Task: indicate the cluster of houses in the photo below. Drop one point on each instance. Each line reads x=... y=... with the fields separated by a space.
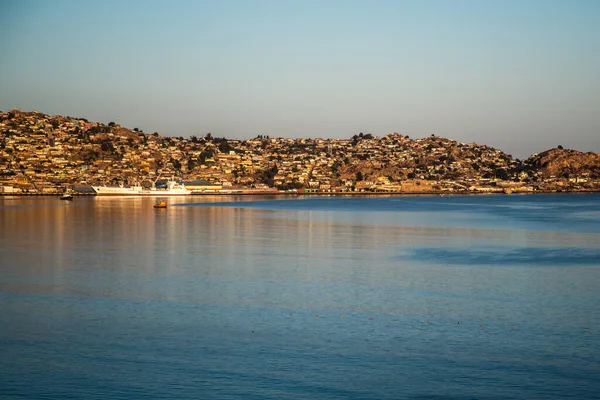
x=46 y=154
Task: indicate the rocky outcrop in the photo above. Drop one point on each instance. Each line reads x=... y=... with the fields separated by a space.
x=566 y=163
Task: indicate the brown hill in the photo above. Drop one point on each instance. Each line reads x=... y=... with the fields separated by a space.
x=566 y=163
x=62 y=151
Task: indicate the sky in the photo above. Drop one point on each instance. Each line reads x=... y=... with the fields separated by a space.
x=522 y=76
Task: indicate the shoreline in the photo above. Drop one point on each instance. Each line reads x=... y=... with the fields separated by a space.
x=316 y=194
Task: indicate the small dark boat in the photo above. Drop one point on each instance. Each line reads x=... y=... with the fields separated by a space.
x=66 y=196
x=162 y=204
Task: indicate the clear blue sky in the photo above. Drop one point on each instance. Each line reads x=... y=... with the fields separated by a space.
x=523 y=76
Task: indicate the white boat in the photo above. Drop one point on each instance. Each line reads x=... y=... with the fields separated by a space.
x=173 y=188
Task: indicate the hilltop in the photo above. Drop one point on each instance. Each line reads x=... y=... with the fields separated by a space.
x=42 y=153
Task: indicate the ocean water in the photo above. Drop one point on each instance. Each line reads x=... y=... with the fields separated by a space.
x=424 y=297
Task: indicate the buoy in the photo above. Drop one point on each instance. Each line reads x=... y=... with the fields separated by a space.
x=342 y=317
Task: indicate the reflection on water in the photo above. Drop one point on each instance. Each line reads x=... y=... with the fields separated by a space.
x=487 y=296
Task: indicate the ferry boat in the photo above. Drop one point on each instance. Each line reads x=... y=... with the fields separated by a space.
x=172 y=188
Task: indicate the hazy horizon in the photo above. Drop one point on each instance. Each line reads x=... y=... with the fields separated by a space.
x=519 y=76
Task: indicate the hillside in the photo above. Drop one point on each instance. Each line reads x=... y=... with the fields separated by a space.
x=42 y=153
x=566 y=163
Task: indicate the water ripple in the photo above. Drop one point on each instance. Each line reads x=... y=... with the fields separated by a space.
x=537 y=256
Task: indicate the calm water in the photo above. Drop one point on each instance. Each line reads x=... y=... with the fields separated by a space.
x=491 y=297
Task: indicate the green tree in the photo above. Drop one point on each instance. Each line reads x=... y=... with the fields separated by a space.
x=107 y=146
x=224 y=146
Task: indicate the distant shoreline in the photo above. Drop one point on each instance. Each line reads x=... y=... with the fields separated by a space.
x=315 y=194
x=47 y=155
